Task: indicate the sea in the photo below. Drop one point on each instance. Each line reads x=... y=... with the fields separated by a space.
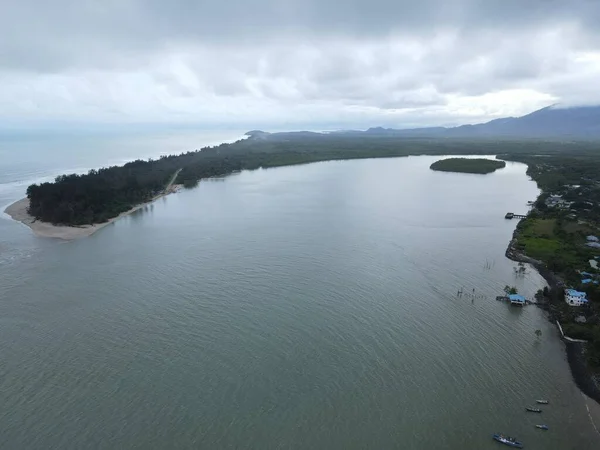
x=335 y=305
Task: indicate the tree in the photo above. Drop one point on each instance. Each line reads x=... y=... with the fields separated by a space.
x=510 y=290
x=538 y=333
x=190 y=183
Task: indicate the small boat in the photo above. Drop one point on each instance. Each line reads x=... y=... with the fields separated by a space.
x=506 y=440
x=542 y=402
x=542 y=427
x=537 y=410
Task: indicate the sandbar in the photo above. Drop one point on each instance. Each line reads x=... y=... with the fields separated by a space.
x=18 y=211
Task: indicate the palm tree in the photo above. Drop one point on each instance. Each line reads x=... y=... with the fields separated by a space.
x=510 y=290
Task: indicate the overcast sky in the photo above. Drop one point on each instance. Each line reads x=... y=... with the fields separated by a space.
x=294 y=63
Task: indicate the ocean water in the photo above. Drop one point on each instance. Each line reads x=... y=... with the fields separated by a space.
x=312 y=306
x=35 y=158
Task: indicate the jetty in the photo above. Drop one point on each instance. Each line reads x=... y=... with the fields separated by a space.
x=516 y=300
x=510 y=215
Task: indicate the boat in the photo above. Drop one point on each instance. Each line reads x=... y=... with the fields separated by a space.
x=506 y=440
x=542 y=402
x=542 y=427
x=537 y=410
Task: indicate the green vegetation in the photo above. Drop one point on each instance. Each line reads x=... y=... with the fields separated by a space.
x=555 y=233
x=468 y=165
x=538 y=240
x=102 y=194
x=510 y=290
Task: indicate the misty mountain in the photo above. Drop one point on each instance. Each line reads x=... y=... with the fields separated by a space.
x=554 y=123
x=547 y=123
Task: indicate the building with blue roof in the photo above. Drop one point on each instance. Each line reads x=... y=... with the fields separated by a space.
x=575 y=298
x=516 y=299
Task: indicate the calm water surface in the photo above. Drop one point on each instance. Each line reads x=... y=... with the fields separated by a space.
x=301 y=307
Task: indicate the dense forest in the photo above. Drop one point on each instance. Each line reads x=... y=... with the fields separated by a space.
x=104 y=193
x=468 y=165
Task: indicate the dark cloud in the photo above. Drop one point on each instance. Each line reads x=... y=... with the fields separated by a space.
x=49 y=35
x=296 y=58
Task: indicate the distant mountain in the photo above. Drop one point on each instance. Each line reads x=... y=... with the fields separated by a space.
x=551 y=122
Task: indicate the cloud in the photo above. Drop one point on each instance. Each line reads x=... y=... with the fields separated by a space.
x=292 y=62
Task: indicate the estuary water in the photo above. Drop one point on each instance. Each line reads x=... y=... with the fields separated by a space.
x=312 y=306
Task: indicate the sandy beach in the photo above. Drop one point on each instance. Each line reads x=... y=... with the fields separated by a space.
x=18 y=211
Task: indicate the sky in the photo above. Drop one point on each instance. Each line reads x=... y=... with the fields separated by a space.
x=291 y=64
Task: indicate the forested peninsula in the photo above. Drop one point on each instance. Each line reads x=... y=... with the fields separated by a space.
x=103 y=194
x=468 y=165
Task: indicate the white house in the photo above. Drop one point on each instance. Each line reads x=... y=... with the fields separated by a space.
x=575 y=298
x=516 y=299
x=554 y=200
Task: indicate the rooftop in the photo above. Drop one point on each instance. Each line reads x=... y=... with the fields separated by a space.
x=575 y=293
x=516 y=298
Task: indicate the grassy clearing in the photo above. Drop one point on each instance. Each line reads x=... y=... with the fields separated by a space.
x=550 y=240
x=542 y=228
x=540 y=248
x=537 y=238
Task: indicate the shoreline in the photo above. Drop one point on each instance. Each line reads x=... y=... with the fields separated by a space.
x=575 y=351
x=18 y=212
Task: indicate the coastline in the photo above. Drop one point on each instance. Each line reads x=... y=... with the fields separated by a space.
x=18 y=212
x=575 y=351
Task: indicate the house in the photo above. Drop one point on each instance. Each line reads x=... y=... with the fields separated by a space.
x=592 y=238
x=516 y=299
x=553 y=200
x=593 y=244
x=575 y=298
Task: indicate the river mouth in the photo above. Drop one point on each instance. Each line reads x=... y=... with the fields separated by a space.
x=302 y=307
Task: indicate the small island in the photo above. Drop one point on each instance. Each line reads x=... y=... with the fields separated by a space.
x=468 y=165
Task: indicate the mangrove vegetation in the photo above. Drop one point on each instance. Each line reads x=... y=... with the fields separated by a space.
x=468 y=165
x=99 y=195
